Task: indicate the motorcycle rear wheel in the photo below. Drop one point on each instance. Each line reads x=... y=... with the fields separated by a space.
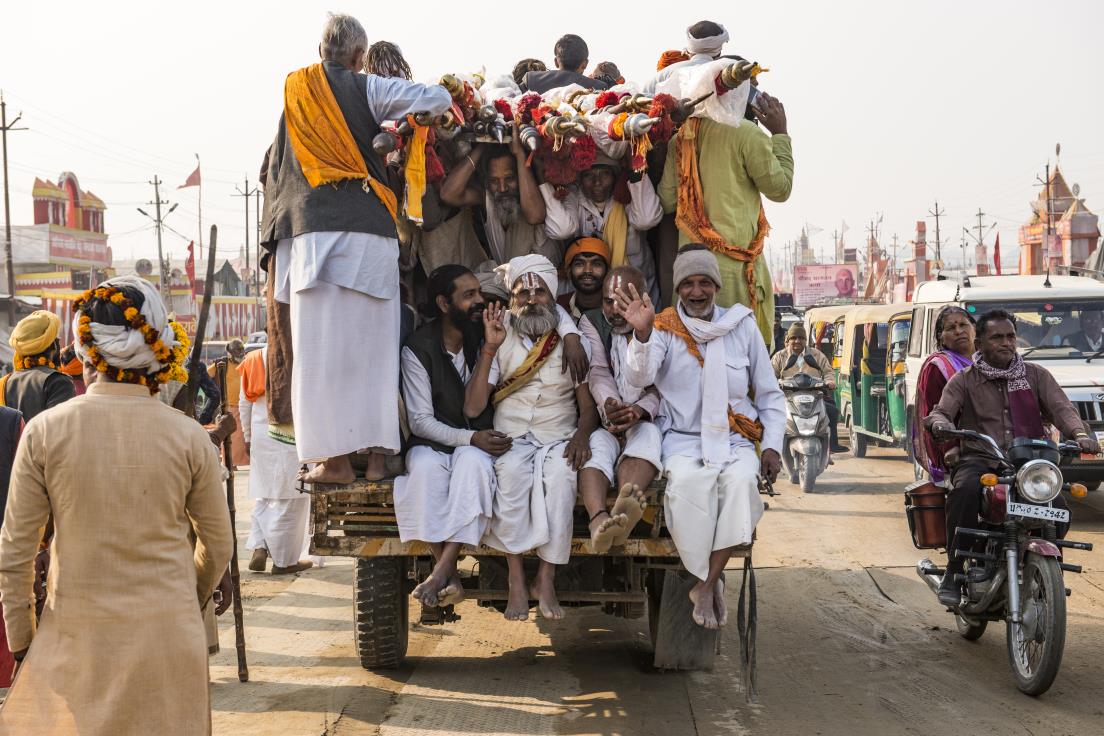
x=807 y=472
x=1035 y=646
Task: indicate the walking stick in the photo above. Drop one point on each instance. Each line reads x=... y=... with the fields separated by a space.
x=235 y=576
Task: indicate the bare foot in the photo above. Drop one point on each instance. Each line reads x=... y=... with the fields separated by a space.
x=719 y=606
x=376 y=468
x=517 y=604
x=335 y=471
x=545 y=593
x=452 y=593
x=603 y=530
x=703 y=606
x=630 y=502
x=428 y=592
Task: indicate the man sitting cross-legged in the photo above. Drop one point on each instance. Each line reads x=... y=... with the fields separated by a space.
x=446 y=496
x=720 y=398
x=554 y=426
x=627 y=411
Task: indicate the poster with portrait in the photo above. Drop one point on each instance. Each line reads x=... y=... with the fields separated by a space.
x=823 y=282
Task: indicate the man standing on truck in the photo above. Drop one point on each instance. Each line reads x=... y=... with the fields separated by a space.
x=554 y=426
x=721 y=400
x=1001 y=396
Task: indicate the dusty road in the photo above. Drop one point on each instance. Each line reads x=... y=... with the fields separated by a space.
x=850 y=642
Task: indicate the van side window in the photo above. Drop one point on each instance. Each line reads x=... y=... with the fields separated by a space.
x=916 y=336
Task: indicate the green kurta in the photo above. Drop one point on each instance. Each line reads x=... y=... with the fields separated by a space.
x=737 y=165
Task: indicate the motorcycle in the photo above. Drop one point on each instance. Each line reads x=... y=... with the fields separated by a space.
x=1018 y=578
x=805 y=450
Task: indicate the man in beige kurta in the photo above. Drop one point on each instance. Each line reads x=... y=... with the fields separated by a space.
x=120 y=648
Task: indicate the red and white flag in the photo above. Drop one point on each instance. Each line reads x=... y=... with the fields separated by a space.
x=996 y=255
x=193 y=179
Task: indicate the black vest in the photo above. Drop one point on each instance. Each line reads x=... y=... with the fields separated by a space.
x=292 y=207
x=541 y=82
x=445 y=384
x=602 y=325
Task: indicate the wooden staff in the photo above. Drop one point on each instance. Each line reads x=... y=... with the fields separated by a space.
x=235 y=575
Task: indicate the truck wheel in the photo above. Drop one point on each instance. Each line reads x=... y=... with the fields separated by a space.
x=858 y=441
x=380 y=611
x=654 y=589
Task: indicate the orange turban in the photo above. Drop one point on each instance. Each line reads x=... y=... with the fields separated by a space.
x=667 y=58
x=597 y=246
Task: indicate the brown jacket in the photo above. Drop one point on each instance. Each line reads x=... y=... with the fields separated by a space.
x=970 y=401
x=826 y=372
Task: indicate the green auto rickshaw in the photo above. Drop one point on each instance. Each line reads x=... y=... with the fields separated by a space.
x=869 y=373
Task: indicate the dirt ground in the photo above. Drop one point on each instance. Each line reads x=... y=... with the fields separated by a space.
x=850 y=642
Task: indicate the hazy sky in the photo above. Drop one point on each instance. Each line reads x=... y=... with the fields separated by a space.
x=890 y=104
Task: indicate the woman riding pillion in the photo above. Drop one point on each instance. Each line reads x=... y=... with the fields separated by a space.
x=954 y=333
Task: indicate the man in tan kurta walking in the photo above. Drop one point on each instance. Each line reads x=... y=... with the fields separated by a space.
x=120 y=648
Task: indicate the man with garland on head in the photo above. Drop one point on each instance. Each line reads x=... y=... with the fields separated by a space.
x=554 y=430
x=721 y=402
x=331 y=221
x=36 y=384
x=127 y=479
x=620 y=216
x=586 y=262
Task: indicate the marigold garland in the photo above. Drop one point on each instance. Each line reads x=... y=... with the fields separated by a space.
x=22 y=363
x=172 y=359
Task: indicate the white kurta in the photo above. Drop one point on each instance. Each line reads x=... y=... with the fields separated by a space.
x=710 y=508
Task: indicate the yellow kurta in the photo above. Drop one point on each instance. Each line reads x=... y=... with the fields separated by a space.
x=121 y=648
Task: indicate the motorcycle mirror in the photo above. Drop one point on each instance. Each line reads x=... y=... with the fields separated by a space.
x=810 y=361
x=791 y=361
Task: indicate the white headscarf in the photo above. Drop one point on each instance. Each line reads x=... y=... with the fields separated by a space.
x=533 y=263
x=120 y=345
x=711 y=45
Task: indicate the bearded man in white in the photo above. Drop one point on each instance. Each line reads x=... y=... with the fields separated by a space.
x=554 y=427
x=720 y=399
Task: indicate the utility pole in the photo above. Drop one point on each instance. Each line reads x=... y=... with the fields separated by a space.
x=894 y=266
x=937 y=214
x=159 y=223
x=979 y=239
x=4 y=128
x=245 y=194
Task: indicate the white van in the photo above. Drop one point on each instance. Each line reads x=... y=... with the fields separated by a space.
x=1048 y=312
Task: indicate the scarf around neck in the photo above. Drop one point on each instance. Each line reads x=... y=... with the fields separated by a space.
x=1027 y=421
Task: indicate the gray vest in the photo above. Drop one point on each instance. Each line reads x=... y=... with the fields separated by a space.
x=292 y=207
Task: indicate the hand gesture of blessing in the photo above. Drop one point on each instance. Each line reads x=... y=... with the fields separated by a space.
x=637 y=309
x=494 y=332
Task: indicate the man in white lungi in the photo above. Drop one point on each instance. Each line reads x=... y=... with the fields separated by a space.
x=446 y=497
x=554 y=428
x=627 y=412
x=330 y=220
x=280 y=511
x=720 y=399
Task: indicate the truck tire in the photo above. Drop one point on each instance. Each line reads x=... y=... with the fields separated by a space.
x=380 y=611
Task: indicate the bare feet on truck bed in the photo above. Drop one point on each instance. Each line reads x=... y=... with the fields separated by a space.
x=428 y=592
x=631 y=503
x=704 y=613
x=545 y=593
x=453 y=592
x=336 y=471
x=604 y=527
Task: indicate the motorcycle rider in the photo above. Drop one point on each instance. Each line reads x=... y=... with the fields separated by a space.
x=1005 y=398
x=795 y=345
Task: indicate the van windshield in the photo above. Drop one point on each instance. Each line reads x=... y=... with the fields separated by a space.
x=1054 y=329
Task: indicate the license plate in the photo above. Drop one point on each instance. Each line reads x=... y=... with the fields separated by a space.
x=804 y=399
x=1038 y=512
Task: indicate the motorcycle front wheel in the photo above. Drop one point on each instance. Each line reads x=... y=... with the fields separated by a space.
x=1035 y=646
x=807 y=472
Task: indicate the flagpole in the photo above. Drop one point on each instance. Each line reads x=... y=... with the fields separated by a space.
x=199 y=204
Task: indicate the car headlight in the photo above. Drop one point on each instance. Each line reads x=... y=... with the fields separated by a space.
x=1039 y=481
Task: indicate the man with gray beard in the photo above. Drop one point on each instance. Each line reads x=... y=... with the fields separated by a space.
x=554 y=427
x=507 y=191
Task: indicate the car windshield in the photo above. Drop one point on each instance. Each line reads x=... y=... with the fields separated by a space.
x=1054 y=329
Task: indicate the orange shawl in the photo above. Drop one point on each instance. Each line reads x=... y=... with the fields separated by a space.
x=320 y=137
x=669 y=321
x=537 y=357
x=690 y=210
x=252 y=372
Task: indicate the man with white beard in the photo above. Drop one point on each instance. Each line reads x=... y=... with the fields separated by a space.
x=554 y=427
x=720 y=399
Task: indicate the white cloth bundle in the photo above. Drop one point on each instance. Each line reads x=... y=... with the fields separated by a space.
x=120 y=345
x=515 y=268
x=694 y=81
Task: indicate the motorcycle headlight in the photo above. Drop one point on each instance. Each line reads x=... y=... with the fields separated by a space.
x=1039 y=481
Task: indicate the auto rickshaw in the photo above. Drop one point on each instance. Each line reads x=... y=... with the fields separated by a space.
x=820 y=326
x=896 y=390
x=864 y=364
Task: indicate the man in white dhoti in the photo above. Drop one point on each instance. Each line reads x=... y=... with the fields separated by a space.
x=331 y=223
x=280 y=512
x=554 y=428
x=627 y=412
x=446 y=497
x=720 y=400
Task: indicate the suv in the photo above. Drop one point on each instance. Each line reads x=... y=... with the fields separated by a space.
x=1048 y=310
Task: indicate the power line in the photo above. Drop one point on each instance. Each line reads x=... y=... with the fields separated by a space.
x=4 y=129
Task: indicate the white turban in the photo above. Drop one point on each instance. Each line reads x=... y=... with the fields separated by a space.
x=534 y=264
x=711 y=45
x=122 y=346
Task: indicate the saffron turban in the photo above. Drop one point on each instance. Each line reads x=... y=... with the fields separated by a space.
x=711 y=45
x=535 y=264
x=596 y=246
x=667 y=58
x=697 y=263
x=122 y=346
x=35 y=333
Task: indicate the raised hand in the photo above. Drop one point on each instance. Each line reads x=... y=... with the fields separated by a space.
x=637 y=309
x=494 y=332
x=771 y=113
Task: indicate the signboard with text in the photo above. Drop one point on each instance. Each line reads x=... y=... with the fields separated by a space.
x=824 y=281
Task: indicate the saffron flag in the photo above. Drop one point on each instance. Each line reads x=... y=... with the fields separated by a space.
x=189 y=266
x=996 y=255
x=193 y=179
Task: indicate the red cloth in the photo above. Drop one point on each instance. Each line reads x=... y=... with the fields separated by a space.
x=7 y=661
x=193 y=179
